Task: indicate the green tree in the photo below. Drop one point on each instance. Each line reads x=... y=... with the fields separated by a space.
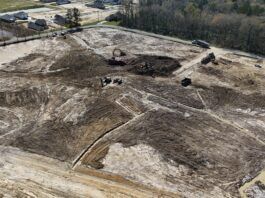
x=76 y=16
x=69 y=15
x=246 y=8
x=73 y=16
x=215 y=21
x=191 y=10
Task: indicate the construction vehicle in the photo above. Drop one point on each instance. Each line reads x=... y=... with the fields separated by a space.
x=186 y=82
x=118 y=53
x=116 y=61
x=258 y=66
x=105 y=81
x=117 y=81
x=116 y=58
x=207 y=59
x=201 y=43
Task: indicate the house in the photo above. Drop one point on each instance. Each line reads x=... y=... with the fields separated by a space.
x=114 y=2
x=114 y=17
x=98 y=4
x=62 y=2
x=60 y=20
x=21 y=15
x=41 y=22
x=47 y=1
x=34 y=26
x=8 y=18
x=38 y=25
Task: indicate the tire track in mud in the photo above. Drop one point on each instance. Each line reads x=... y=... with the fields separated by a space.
x=206 y=111
x=79 y=157
x=107 y=133
x=220 y=119
x=128 y=109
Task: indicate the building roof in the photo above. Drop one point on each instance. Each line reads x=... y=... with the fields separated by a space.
x=98 y=4
x=36 y=27
x=48 y=1
x=41 y=22
x=61 y=20
x=61 y=2
x=21 y=15
x=39 y=25
x=112 y=1
x=8 y=18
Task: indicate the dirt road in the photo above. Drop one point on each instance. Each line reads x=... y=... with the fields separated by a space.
x=37 y=176
x=189 y=66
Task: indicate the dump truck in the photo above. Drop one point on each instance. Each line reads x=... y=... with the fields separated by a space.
x=201 y=43
x=116 y=61
x=207 y=59
x=118 y=53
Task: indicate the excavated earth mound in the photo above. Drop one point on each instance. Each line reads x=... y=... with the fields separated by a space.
x=154 y=65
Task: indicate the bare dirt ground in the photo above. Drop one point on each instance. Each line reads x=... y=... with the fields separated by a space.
x=38 y=176
x=206 y=140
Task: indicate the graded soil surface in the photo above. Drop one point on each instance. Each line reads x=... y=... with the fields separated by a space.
x=133 y=130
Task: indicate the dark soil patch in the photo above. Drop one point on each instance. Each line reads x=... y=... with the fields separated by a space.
x=65 y=140
x=153 y=65
x=81 y=64
x=165 y=92
x=219 y=97
x=27 y=59
x=212 y=71
x=23 y=97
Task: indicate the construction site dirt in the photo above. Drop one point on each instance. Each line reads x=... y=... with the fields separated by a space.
x=147 y=136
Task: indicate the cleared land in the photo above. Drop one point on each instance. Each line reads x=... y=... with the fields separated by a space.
x=202 y=141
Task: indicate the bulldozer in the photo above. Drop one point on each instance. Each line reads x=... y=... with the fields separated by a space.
x=116 y=58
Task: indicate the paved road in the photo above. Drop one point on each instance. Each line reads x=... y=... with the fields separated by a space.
x=43 y=35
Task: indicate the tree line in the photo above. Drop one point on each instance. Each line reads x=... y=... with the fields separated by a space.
x=233 y=27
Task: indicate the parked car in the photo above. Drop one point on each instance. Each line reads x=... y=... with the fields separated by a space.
x=63 y=33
